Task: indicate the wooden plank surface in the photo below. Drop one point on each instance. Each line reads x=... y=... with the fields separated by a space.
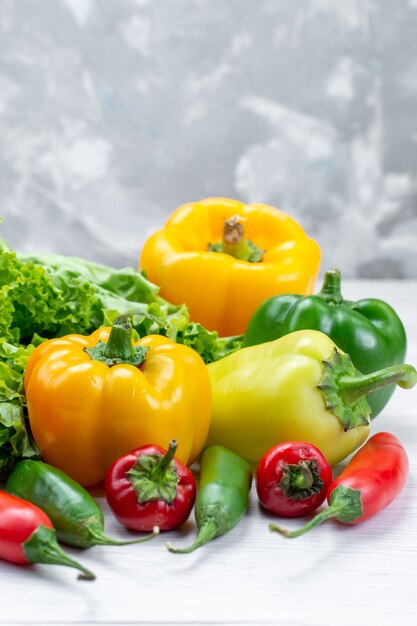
x=336 y=575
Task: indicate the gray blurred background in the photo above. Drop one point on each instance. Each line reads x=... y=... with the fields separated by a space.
x=114 y=112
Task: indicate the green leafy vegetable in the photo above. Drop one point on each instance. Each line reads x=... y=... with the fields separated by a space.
x=14 y=439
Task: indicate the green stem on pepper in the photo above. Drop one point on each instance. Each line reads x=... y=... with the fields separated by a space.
x=234 y=243
x=354 y=387
x=300 y=479
x=321 y=517
x=331 y=288
x=344 y=388
x=119 y=347
x=160 y=469
x=41 y=547
x=208 y=531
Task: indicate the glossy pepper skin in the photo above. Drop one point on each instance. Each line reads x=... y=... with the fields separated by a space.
x=28 y=536
x=85 y=412
x=222 y=291
x=222 y=497
x=369 y=330
x=300 y=387
x=76 y=516
x=292 y=479
x=374 y=477
x=149 y=487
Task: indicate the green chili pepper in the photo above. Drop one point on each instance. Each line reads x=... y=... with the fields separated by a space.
x=222 y=496
x=369 y=330
x=76 y=516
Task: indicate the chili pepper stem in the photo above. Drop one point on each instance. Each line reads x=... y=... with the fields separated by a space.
x=345 y=504
x=159 y=470
x=207 y=532
x=331 y=289
x=41 y=547
x=354 y=387
x=302 y=478
x=318 y=519
x=102 y=539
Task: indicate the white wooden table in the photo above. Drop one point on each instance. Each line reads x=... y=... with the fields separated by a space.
x=334 y=576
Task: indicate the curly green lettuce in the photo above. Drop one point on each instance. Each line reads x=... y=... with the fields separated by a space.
x=15 y=441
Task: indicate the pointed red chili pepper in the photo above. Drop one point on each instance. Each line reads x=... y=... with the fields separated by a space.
x=27 y=536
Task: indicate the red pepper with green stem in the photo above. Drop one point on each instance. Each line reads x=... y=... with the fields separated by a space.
x=373 y=478
x=292 y=479
x=27 y=536
x=150 y=487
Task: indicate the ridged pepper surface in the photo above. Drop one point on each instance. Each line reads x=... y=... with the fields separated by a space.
x=92 y=399
x=223 y=258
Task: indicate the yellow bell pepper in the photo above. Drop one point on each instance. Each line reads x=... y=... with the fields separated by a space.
x=300 y=387
x=94 y=398
x=223 y=258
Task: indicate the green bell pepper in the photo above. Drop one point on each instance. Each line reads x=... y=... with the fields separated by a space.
x=369 y=330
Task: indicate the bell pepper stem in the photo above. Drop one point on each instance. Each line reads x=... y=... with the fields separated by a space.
x=119 y=347
x=233 y=241
x=354 y=387
x=331 y=288
x=119 y=344
x=160 y=469
x=208 y=531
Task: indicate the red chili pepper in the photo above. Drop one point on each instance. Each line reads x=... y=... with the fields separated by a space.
x=149 y=487
x=292 y=479
x=27 y=536
x=372 y=479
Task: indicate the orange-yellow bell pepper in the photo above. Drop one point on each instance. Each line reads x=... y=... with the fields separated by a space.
x=223 y=258
x=87 y=408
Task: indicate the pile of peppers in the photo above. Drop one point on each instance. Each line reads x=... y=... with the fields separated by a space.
x=133 y=413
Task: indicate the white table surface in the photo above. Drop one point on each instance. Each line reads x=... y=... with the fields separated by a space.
x=336 y=575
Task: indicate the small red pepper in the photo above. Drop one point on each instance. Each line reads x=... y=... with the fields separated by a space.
x=372 y=479
x=150 y=487
x=27 y=536
x=292 y=479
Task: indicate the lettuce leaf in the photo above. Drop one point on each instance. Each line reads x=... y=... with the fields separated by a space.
x=34 y=299
x=117 y=292
x=15 y=441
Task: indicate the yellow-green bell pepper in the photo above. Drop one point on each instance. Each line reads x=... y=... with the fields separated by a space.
x=300 y=387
